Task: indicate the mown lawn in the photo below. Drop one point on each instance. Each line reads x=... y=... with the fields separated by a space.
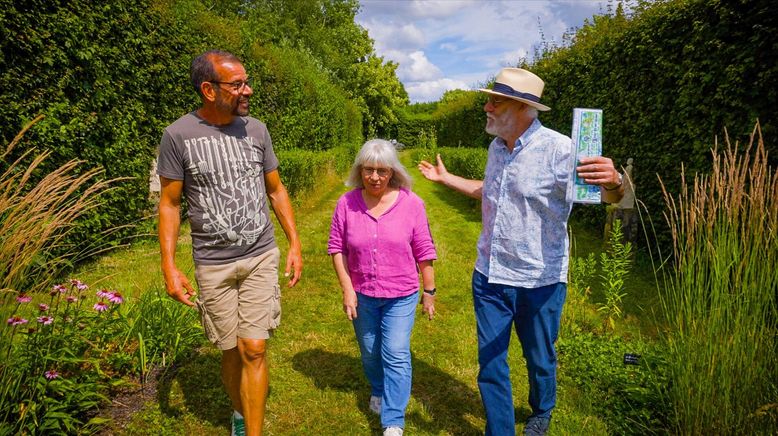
x=317 y=386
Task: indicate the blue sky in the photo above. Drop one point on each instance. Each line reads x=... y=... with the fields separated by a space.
x=461 y=44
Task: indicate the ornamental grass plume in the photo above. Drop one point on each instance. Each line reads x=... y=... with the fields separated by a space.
x=720 y=306
x=37 y=215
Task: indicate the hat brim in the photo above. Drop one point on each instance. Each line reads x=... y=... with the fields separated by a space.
x=536 y=105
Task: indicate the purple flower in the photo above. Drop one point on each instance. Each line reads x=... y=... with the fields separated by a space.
x=72 y=298
x=16 y=320
x=103 y=293
x=45 y=320
x=43 y=307
x=51 y=374
x=59 y=288
x=23 y=298
x=115 y=297
x=100 y=306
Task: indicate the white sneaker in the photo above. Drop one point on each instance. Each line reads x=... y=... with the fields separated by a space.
x=393 y=431
x=375 y=404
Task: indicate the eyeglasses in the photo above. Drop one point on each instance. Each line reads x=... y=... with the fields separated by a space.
x=496 y=100
x=236 y=86
x=382 y=172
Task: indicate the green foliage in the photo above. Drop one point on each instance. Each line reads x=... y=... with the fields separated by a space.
x=628 y=397
x=469 y=163
x=63 y=354
x=457 y=119
x=669 y=80
x=301 y=170
x=301 y=107
x=578 y=315
x=460 y=120
x=325 y=29
x=108 y=77
x=616 y=262
x=720 y=304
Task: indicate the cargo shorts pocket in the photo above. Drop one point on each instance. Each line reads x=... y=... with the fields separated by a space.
x=275 y=308
x=205 y=320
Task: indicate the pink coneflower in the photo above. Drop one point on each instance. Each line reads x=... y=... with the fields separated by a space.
x=72 y=298
x=51 y=374
x=115 y=297
x=16 y=320
x=100 y=306
x=103 y=293
x=43 y=307
x=59 y=288
x=45 y=320
x=23 y=298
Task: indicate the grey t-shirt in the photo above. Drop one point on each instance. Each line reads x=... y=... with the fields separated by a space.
x=223 y=170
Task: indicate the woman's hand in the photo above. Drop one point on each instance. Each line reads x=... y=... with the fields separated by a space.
x=428 y=304
x=350 y=304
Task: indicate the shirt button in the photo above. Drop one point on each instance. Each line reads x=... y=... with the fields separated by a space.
x=375 y=236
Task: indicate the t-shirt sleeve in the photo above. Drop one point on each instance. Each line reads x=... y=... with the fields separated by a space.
x=422 y=244
x=169 y=162
x=338 y=228
x=271 y=160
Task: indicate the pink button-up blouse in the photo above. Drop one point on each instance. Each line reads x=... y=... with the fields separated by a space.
x=382 y=254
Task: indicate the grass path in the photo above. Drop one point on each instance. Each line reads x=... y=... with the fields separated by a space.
x=317 y=386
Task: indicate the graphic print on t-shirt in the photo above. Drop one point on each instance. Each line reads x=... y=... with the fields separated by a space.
x=228 y=172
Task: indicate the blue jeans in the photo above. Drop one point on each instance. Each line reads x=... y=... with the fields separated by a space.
x=383 y=328
x=535 y=314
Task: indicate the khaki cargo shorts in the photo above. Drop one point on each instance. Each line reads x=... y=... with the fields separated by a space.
x=241 y=299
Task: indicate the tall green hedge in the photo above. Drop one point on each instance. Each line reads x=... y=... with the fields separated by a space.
x=670 y=81
x=109 y=76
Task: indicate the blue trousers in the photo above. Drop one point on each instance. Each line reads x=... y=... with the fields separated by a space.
x=535 y=314
x=383 y=328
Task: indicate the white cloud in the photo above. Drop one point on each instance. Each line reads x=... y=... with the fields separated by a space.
x=433 y=89
x=438 y=42
x=418 y=69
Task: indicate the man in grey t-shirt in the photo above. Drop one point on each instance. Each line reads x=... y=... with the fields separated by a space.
x=222 y=160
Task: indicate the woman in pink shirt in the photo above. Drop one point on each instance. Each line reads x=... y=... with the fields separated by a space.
x=379 y=241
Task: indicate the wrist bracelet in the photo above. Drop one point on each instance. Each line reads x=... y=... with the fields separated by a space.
x=431 y=291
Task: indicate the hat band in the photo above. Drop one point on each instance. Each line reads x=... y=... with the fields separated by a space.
x=505 y=89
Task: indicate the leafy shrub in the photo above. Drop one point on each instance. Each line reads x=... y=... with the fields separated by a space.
x=616 y=262
x=301 y=169
x=629 y=398
x=63 y=354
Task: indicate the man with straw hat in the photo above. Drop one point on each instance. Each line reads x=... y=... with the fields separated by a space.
x=521 y=270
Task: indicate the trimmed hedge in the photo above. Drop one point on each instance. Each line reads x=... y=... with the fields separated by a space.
x=670 y=80
x=109 y=76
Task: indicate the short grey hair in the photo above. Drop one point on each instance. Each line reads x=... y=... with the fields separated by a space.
x=379 y=152
x=202 y=69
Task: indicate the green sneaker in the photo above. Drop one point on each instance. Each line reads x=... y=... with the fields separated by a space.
x=238 y=426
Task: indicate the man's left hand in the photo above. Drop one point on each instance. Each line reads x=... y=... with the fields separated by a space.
x=294 y=261
x=599 y=170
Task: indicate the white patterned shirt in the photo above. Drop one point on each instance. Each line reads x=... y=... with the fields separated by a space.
x=525 y=207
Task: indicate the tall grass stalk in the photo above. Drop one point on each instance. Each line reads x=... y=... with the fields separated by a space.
x=34 y=218
x=720 y=306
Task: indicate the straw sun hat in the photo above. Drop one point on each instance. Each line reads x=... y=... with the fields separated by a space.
x=520 y=85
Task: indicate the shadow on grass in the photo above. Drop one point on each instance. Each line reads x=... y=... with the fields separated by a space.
x=447 y=400
x=469 y=209
x=201 y=387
